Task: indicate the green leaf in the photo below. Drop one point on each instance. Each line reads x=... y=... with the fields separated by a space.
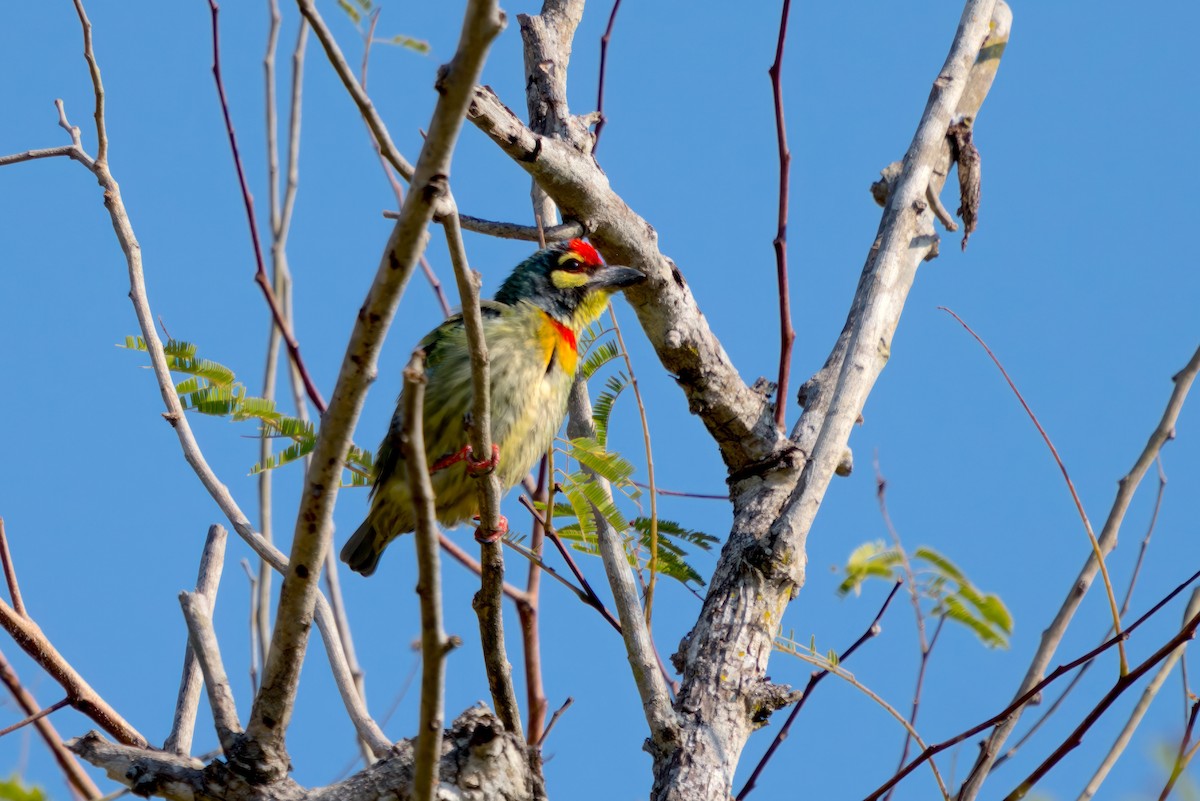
x=940 y=563
x=869 y=560
x=611 y=466
x=602 y=411
x=671 y=560
x=416 y=45
x=351 y=11
x=288 y=455
x=598 y=356
x=955 y=610
x=14 y=789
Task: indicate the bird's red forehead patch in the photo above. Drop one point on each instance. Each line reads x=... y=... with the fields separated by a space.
x=586 y=252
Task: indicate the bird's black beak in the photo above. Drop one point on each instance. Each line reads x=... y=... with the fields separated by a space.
x=613 y=277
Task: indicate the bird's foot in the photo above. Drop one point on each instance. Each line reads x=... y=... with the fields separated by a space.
x=481 y=467
x=475 y=467
x=484 y=535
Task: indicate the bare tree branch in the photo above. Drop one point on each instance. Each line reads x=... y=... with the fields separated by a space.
x=212 y=561
x=434 y=643
x=787 y=335
x=479 y=759
x=198 y=612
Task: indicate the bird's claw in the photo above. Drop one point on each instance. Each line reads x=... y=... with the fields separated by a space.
x=481 y=467
x=483 y=535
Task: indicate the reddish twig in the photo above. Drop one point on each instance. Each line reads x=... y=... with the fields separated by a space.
x=554 y=719
x=527 y=613
x=601 y=119
x=787 y=334
x=1032 y=693
x=36 y=716
x=593 y=599
x=10 y=575
x=813 y=681
x=679 y=494
x=1087 y=524
x=260 y=275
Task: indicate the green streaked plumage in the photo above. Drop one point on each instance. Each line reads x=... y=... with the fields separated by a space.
x=531 y=328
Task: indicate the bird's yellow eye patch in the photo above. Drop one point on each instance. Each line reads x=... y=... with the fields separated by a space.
x=571 y=258
x=568 y=278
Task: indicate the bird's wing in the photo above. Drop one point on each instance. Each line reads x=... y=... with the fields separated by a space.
x=390 y=456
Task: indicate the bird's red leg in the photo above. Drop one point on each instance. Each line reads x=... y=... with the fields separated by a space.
x=494 y=535
x=481 y=467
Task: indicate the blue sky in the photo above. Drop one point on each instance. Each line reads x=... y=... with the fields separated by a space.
x=1081 y=278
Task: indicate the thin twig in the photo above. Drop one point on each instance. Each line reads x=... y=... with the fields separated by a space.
x=77 y=778
x=1087 y=524
x=183 y=726
x=10 y=574
x=787 y=335
x=648 y=672
x=637 y=396
x=471 y=563
x=35 y=717
x=554 y=719
x=539 y=563
x=260 y=275
x=680 y=494
x=89 y=55
x=525 y=233
x=813 y=680
x=256 y=650
x=601 y=118
x=434 y=643
x=925 y=644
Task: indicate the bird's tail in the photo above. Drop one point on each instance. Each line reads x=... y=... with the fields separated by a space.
x=362 y=551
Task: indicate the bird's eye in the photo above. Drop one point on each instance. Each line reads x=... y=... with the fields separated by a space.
x=571 y=261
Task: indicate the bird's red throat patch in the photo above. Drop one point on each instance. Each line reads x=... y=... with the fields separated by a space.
x=565 y=332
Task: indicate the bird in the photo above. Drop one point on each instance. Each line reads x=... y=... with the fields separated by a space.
x=532 y=328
